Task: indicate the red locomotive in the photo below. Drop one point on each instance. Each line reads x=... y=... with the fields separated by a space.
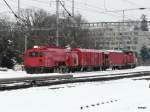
x=54 y=59
x=121 y=59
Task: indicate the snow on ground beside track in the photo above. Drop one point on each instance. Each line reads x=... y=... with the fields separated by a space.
x=14 y=74
x=113 y=96
x=109 y=71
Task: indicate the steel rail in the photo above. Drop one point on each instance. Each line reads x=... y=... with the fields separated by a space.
x=38 y=81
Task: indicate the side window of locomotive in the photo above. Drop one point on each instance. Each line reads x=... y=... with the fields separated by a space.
x=40 y=54
x=33 y=54
x=75 y=61
x=45 y=53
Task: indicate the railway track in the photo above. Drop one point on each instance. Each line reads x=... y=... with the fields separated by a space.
x=38 y=81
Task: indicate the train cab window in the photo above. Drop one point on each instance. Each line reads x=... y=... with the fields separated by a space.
x=33 y=54
x=40 y=54
x=75 y=61
x=45 y=53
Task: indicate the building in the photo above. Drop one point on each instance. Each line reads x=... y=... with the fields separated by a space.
x=122 y=37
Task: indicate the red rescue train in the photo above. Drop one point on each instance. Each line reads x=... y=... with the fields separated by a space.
x=54 y=59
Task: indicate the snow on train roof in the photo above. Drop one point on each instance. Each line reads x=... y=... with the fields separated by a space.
x=49 y=48
x=114 y=51
x=96 y=50
x=88 y=50
x=80 y=49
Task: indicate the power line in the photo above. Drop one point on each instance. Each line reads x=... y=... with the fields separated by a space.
x=96 y=9
x=106 y=11
x=57 y=22
x=10 y=9
x=2 y=12
x=43 y=2
x=65 y=9
x=86 y=4
x=131 y=3
x=105 y=5
x=37 y=2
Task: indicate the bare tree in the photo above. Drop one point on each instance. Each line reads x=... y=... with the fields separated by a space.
x=144 y=23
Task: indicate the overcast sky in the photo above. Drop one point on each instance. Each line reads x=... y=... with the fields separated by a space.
x=91 y=10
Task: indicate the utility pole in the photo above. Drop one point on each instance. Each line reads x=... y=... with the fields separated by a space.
x=123 y=16
x=72 y=8
x=19 y=8
x=105 y=5
x=25 y=40
x=57 y=22
x=26 y=37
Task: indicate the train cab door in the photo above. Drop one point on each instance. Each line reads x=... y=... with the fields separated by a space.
x=75 y=56
x=71 y=59
x=106 y=60
x=126 y=59
x=68 y=59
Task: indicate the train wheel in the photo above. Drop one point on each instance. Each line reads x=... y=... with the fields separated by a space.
x=29 y=70
x=61 y=69
x=55 y=70
x=51 y=70
x=67 y=70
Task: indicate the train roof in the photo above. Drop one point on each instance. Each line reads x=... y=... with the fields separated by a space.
x=95 y=50
x=45 y=48
x=86 y=50
x=117 y=51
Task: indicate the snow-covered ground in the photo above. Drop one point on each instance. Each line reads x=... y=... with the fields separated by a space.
x=124 y=95
x=109 y=71
x=17 y=74
x=114 y=96
x=14 y=74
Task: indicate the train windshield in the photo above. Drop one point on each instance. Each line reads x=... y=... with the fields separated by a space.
x=33 y=54
x=37 y=54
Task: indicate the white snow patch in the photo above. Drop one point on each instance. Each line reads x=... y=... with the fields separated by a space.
x=17 y=74
x=113 y=96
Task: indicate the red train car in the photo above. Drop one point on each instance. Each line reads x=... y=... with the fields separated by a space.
x=131 y=59
x=48 y=59
x=121 y=59
x=91 y=59
x=52 y=59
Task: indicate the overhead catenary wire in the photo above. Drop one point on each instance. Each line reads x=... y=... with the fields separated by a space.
x=11 y=9
x=96 y=9
x=131 y=2
x=105 y=5
x=65 y=9
x=13 y=12
x=41 y=1
x=86 y=4
x=35 y=5
x=93 y=8
x=108 y=12
x=99 y=12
